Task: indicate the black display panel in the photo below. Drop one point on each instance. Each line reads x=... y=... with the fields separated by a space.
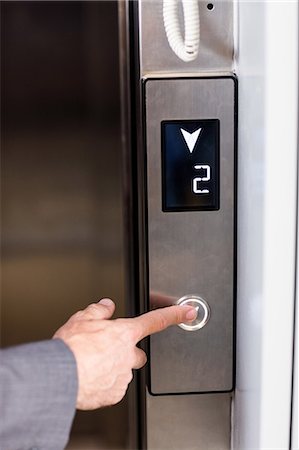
x=190 y=165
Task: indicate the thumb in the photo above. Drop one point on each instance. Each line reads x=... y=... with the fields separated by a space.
x=104 y=309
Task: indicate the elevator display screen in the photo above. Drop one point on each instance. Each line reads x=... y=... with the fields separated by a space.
x=190 y=165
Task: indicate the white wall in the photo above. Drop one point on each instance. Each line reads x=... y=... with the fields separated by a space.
x=266 y=64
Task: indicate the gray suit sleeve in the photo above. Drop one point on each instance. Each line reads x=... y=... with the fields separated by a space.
x=38 y=390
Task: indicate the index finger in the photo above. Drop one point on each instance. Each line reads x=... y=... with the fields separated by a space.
x=161 y=318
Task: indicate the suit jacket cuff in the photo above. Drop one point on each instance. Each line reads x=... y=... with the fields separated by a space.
x=38 y=395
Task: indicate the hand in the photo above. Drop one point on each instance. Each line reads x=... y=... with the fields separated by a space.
x=105 y=350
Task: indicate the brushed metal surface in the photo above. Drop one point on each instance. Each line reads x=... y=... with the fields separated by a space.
x=189 y=422
x=216 y=49
x=192 y=252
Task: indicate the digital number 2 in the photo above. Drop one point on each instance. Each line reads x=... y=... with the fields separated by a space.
x=196 y=181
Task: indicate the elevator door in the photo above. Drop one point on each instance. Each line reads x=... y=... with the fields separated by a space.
x=61 y=178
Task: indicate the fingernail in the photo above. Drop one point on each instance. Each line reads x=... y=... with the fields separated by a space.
x=191 y=314
x=106 y=302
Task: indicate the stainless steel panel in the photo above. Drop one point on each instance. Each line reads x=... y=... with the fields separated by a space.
x=193 y=422
x=192 y=252
x=216 y=51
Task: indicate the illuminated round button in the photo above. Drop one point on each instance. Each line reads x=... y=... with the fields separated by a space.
x=203 y=312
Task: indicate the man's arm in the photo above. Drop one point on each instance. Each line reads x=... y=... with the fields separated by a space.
x=38 y=393
x=87 y=365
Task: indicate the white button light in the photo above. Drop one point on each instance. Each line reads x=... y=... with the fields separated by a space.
x=203 y=312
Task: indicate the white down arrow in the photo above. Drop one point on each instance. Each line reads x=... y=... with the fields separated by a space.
x=191 y=138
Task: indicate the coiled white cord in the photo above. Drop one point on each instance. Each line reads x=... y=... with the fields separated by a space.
x=187 y=49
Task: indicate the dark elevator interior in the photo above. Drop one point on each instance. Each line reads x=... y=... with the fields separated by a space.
x=61 y=182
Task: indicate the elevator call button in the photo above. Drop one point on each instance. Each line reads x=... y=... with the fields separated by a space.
x=203 y=312
x=190 y=165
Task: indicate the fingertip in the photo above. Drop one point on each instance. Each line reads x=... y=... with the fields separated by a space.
x=190 y=312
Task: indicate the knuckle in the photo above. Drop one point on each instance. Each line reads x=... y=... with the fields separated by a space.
x=77 y=315
x=144 y=356
x=93 y=307
x=140 y=359
x=143 y=360
x=115 y=399
x=87 y=313
x=130 y=377
x=132 y=358
x=118 y=396
x=161 y=319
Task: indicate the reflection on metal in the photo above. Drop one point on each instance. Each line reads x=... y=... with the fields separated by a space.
x=216 y=40
x=188 y=422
